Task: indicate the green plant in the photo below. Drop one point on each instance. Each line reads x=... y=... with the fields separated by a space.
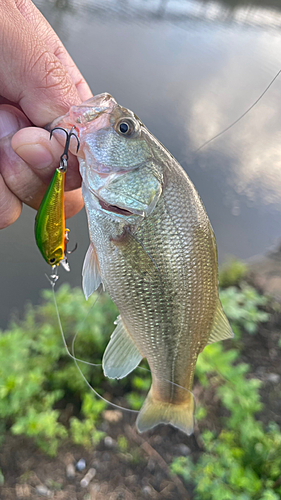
x=84 y=431
x=43 y=426
x=242 y=461
x=36 y=371
x=122 y=444
x=242 y=307
x=135 y=400
x=231 y=468
x=140 y=386
x=232 y=272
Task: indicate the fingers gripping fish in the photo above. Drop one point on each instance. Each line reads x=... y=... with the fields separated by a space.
x=154 y=250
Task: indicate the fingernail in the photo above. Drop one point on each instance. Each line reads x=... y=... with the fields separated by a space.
x=35 y=155
x=9 y=123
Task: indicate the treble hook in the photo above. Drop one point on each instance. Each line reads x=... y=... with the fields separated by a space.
x=66 y=240
x=64 y=156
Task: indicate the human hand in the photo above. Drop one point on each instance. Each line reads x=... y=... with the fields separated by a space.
x=38 y=82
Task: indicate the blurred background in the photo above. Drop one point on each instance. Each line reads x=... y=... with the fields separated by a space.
x=188 y=68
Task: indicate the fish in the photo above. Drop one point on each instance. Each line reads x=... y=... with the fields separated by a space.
x=153 y=249
x=51 y=235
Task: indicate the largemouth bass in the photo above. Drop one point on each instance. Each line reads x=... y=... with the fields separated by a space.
x=153 y=248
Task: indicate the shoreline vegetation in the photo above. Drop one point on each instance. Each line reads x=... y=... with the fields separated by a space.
x=50 y=419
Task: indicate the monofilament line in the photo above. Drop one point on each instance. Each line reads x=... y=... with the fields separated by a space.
x=240 y=117
x=76 y=360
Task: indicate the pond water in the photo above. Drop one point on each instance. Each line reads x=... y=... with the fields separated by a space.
x=188 y=69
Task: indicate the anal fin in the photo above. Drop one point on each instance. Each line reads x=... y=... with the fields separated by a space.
x=121 y=355
x=221 y=329
x=91 y=278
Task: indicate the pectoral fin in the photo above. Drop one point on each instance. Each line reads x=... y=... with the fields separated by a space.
x=121 y=355
x=91 y=278
x=221 y=328
x=136 y=255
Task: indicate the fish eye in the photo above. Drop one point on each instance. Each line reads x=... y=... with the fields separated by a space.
x=125 y=127
x=53 y=260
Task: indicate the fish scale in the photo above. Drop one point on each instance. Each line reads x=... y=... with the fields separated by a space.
x=153 y=248
x=136 y=298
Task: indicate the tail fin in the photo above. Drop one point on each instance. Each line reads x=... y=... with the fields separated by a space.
x=154 y=412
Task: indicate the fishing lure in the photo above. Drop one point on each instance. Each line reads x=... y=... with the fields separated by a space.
x=50 y=232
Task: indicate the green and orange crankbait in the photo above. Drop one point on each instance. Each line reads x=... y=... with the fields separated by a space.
x=50 y=232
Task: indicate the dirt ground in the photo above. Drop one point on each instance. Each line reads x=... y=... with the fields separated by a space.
x=142 y=471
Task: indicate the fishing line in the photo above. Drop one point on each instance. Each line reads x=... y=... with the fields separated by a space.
x=137 y=368
x=76 y=360
x=240 y=117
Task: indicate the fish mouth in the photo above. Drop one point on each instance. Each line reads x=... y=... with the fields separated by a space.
x=114 y=209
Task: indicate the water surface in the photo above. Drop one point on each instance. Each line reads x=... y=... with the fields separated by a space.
x=188 y=69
